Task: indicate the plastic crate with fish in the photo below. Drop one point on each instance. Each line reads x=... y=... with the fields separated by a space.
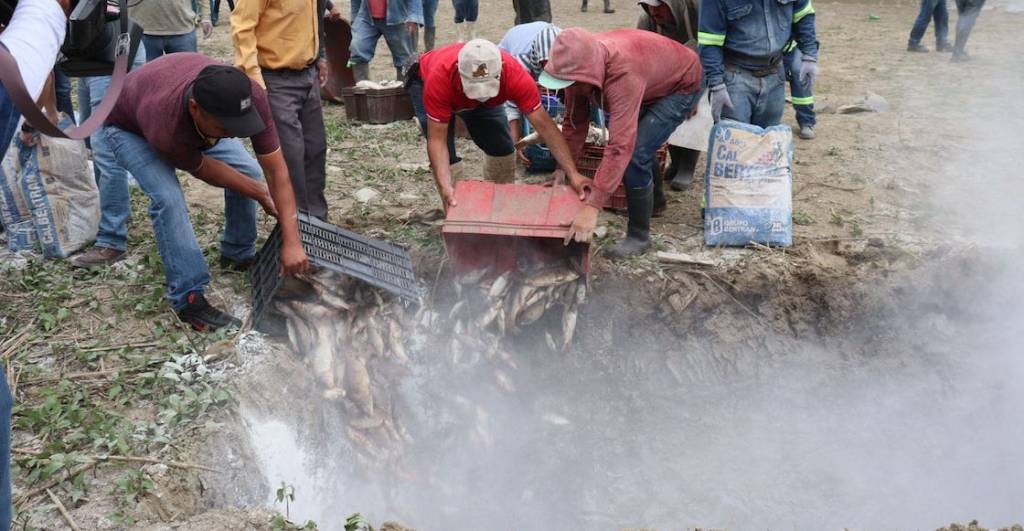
x=591 y=160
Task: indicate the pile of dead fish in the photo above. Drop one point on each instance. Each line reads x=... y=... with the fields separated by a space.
x=351 y=337
x=511 y=303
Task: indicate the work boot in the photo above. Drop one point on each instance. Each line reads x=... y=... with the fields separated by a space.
x=960 y=57
x=916 y=47
x=429 y=36
x=202 y=316
x=241 y=266
x=500 y=169
x=807 y=132
x=97 y=256
x=399 y=73
x=640 y=202
x=361 y=71
x=583 y=6
x=608 y=7
x=943 y=47
x=660 y=201
x=681 y=167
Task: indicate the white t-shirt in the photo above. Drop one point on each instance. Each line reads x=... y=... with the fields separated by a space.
x=34 y=37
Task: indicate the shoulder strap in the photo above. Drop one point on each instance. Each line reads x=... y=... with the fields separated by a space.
x=10 y=76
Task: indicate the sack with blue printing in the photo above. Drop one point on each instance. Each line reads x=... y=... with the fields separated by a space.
x=14 y=213
x=60 y=192
x=749 y=185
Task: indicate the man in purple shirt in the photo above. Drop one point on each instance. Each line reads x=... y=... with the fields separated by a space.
x=187 y=111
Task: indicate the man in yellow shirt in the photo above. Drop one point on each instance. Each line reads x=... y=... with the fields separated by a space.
x=278 y=44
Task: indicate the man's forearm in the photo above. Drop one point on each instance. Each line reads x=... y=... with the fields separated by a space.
x=219 y=174
x=33 y=37
x=279 y=184
x=437 y=152
x=553 y=138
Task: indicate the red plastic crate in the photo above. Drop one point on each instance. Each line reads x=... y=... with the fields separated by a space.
x=505 y=227
x=592 y=156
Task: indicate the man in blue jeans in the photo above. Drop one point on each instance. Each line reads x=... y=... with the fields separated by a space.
x=396 y=21
x=930 y=9
x=802 y=95
x=186 y=111
x=968 y=11
x=170 y=25
x=741 y=48
x=111 y=178
x=33 y=37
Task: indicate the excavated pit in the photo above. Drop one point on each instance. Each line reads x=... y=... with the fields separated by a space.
x=817 y=401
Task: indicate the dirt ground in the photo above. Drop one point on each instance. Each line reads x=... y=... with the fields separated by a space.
x=870 y=221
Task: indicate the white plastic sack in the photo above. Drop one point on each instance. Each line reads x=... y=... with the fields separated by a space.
x=60 y=191
x=694 y=132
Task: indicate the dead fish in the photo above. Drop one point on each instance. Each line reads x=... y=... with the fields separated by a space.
x=557 y=420
x=456 y=352
x=334 y=393
x=551 y=277
x=507 y=358
x=500 y=319
x=357 y=385
x=473 y=277
x=532 y=313
x=499 y=286
x=504 y=382
x=581 y=291
x=491 y=314
x=550 y=341
x=376 y=340
x=568 y=325
x=368 y=422
x=456 y=309
x=395 y=343
x=363 y=442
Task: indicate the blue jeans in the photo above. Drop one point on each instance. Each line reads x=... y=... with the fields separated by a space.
x=62 y=86
x=367 y=31
x=657 y=122
x=466 y=10
x=158 y=45
x=803 y=98
x=111 y=177
x=429 y=10
x=931 y=9
x=184 y=265
x=215 y=9
x=756 y=100
x=9 y=117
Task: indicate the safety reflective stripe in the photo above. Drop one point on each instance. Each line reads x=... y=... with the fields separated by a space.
x=711 y=39
x=789 y=46
x=807 y=10
x=808 y=100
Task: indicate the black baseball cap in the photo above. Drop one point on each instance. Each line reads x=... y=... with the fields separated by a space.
x=226 y=93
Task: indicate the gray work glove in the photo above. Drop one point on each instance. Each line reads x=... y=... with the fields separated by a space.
x=719 y=100
x=808 y=71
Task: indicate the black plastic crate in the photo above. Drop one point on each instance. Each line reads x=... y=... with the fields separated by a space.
x=375 y=262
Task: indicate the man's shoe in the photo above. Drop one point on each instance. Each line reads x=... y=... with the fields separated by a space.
x=202 y=316
x=807 y=132
x=960 y=57
x=684 y=162
x=97 y=256
x=609 y=11
x=241 y=266
x=919 y=48
x=943 y=47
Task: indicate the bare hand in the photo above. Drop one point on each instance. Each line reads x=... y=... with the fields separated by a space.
x=581 y=184
x=293 y=259
x=207 y=29
x=447 y=196
x=321 y=72
x=582 y=228
x=522 y=157
x=265 y=201
x=65 y=5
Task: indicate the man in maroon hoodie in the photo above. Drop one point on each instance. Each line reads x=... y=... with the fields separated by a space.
x=648 y=84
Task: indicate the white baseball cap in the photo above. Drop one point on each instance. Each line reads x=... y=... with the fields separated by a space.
x=480 y=69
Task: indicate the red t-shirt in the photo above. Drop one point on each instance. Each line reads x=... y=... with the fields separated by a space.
x=378 y=8
x=153 y=106
x=442 y=85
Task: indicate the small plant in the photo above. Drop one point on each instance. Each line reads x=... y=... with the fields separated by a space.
x=837 y=219
x=856 y=230
x=802 y=218
x=357 y=522
x=133 y=484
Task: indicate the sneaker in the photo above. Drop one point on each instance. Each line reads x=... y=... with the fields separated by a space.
x=609 y=11
x=202 y=316
x=97 y=256
x=960 y=57
x=807 y=132
x=230 y=264
x=919 y=48
x=943 y=47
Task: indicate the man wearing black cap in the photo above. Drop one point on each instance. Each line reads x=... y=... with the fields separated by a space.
x=187 y=111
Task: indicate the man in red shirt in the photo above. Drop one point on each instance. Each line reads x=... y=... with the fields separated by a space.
x=648 y=84
x=186 y=111
x=474 y=80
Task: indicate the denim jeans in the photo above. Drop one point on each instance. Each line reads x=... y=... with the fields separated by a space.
x=657 y=122
x=803 y=98
x=9 y=117
x=184 y=265
x=215 y=9
x=488 y=126
x=62 y=86
x=158 y=45
x=429 y=10
x=111 y=178
x=756 y=100
x=466 y=10
x=931 y=9
x=968 y=11
x=367 y=31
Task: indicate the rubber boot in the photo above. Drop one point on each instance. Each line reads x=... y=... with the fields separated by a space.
x=500 y=169
x=399 y=73
x=361 y=71
x=680 y=172
x=660 y=201
x=608 y=7
x=640 y=202
x=429 y=36
x=470 y=30
x=583 y=6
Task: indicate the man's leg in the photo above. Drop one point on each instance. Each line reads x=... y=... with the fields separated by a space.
x=399 y=42
x=62 y=86
x=214 y=11
x=364 y=43
x=315 y=137
x=941 y=15
x=770 y=99
x=489 y=129
x=184 y=265
x=186 y=42
x=154 y=45
x=924 y=16
x=968 y=11
x=9 y=117
x=287 y=94
x=238 y=242
x=429 y=24
x=742 y=87
x=803 y=99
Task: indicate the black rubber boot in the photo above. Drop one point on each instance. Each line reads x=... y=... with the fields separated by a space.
x=608 y=7
x=429 y=35
x=660 y=201
x=680 y=172
x=583 y=6
x=640 y=202
x=361 y=72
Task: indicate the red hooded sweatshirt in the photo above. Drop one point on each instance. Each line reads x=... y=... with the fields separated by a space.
x=628 y=68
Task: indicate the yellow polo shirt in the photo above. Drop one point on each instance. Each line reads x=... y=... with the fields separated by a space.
x=274 y=34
